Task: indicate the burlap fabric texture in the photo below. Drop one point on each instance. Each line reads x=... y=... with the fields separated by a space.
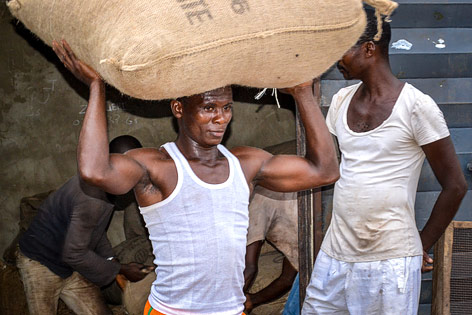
x=158 y=49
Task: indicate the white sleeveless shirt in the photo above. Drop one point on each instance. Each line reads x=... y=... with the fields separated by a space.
x=198 y=235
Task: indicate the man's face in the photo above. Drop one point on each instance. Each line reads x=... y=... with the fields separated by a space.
x=206 y=116
x=349 y=62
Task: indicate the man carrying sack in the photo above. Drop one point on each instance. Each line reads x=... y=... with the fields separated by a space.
x=194 y=193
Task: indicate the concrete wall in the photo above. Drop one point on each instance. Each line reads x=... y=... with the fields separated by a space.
x=42 y=108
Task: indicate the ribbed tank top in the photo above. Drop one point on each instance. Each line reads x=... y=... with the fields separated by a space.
x=198 y=235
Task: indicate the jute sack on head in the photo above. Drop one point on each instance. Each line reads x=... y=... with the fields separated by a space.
x=158 y=49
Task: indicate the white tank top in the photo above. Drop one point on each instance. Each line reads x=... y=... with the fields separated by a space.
x=198 y=235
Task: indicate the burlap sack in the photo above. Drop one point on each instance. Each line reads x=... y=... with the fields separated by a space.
x=137 y=249
x=157 y=49
x=28 y=210
x=12 y=295
x=135 y=294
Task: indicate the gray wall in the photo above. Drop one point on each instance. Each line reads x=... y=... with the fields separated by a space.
x=42 y=108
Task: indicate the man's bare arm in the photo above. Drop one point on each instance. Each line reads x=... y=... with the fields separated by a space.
x=275 y=289
x=293 y=173
x=116 y=173
x=445 y=164
x=253 y=252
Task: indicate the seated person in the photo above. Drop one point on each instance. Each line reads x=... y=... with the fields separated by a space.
x=65 y=252
x=273 y=217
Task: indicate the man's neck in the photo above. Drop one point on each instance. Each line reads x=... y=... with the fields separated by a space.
x=194 y=151
x=380 y=81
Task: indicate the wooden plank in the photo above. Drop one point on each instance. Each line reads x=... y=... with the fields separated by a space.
x=317 y=206
x=305 y=224
x=305 y=241
x=462 y=224
x=317 y=222
x=306 y=215
x=442 y=273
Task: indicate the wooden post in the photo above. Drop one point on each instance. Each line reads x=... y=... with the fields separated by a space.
x=451 y=273
x=442 y=273
x=317 y=206
x=309 y=214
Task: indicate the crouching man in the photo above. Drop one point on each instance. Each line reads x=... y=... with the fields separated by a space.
x=65 y=252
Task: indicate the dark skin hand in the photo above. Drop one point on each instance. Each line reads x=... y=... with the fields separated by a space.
x=135 y=272
x=79 y=69
x=427 y=264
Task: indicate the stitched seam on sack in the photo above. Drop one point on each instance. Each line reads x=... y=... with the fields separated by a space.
x=226 y=41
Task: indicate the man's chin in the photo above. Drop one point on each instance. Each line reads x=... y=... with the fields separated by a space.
x=213 y=142
x=346 y=75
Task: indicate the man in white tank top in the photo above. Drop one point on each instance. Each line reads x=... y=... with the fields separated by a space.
x=371 y=257
x=193 y=193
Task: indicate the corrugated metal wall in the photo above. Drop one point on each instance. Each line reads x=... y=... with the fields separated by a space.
x=439 y=62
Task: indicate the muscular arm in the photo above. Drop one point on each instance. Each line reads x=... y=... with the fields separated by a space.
x=116 y=173
x=293 y=173
x=443 y=160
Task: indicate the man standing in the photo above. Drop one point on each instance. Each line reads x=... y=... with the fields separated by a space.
x=273 y=217
x=194 y=193
x=65 y=252
x=372 y=255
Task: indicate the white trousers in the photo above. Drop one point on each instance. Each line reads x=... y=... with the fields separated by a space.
x=382 y=287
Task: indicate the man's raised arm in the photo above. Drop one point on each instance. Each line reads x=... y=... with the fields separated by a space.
x=116 y=174
x=293 y=173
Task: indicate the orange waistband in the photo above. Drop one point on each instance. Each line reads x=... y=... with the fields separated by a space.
x=148 y=310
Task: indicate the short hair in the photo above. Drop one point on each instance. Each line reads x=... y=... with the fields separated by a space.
x=124 y=143
x=186 y=100
x=371 y=30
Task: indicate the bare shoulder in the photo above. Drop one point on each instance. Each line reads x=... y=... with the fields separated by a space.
x=251 y=159
x=245 y=152
x=154 y=161
x=160 y=174
x=146 y=155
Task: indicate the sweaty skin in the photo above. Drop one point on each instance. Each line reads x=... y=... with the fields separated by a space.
x=202 y=121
